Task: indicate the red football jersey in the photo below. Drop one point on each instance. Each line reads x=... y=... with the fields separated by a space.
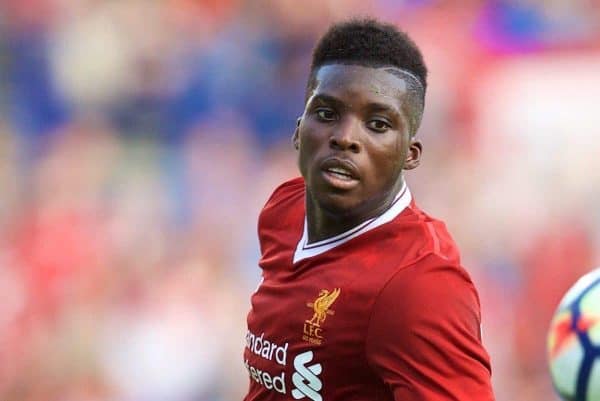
x=383 y=311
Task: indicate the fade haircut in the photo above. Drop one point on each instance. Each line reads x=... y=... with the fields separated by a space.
x=370 y=43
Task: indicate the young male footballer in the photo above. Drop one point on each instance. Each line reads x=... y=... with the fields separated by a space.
x=363 y=295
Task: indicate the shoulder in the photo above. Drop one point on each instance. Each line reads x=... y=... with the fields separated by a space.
x=287 y=200
x=281 y=219
x=290 y=190
x=430 y=271
x=415 y=263
x=433 y=300
x=432 y=280
x=414 y=236
x=424 y=334
x=438 y=238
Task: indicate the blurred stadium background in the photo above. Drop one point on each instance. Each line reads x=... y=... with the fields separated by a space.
x=140 y=138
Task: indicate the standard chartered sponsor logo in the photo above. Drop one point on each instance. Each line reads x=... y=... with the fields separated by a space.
x=267 y=349
x=268 y=380
x=270 y=351
x=305 y=378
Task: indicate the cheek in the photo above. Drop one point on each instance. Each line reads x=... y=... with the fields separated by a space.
x=305 y=134
x=309 y=144
x=302 y=160
x=399 y=157
x=311 y=140
x=388 y=163
x=393 y=156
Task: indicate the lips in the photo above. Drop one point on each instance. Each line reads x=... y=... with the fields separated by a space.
x=340 y=173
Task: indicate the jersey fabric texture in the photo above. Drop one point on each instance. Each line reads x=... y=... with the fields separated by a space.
x=381 y=312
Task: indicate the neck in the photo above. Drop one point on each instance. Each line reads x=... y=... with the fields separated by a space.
x=323 y=223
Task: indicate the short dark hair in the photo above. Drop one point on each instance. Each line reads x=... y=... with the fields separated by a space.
x=372 y=43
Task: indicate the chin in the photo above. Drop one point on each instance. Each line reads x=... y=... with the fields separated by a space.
x=341 y=205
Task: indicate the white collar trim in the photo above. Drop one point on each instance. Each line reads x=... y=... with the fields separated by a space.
x=305 y=250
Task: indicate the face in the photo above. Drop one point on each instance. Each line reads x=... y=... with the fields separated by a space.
x=354 y=140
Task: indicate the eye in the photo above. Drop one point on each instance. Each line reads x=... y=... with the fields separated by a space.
x=325 y=114
x=379 y=125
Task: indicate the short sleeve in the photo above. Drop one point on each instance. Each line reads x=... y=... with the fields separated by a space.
x=424 y=337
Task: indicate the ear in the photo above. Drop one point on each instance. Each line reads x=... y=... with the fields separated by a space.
x=296 y=137
x=413 y=156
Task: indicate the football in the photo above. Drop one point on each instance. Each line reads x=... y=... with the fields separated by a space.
x=574 y=341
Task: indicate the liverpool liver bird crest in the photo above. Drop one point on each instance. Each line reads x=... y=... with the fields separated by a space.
x=321 y=306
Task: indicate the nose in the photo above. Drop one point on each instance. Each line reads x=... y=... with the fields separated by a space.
x=344 y=137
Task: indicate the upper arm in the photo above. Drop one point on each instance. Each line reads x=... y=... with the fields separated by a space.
x=424 y=337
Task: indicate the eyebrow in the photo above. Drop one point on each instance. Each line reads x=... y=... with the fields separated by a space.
x=322 y=97
x=373 y=106
x=383 y=107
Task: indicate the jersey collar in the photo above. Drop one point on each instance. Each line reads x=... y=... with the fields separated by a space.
x=305 y=250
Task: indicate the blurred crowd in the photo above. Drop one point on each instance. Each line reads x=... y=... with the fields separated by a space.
x=139 y=140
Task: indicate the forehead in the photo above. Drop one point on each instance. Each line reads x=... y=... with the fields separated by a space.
x=360 y=83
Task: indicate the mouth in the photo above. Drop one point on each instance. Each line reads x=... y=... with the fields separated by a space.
x=339 y=173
